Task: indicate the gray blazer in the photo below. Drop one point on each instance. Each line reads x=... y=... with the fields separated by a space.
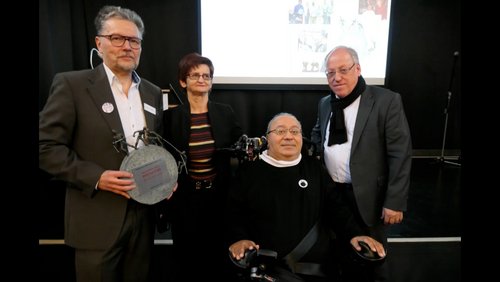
x=75 y=145
x=381 y=151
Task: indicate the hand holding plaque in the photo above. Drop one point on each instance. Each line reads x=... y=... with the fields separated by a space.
x=154 y=168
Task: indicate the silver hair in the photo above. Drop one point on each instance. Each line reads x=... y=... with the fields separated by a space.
x=117 y=12
x=351 y=51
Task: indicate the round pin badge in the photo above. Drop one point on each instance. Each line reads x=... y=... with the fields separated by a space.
x=107 y=107
x=303 y=183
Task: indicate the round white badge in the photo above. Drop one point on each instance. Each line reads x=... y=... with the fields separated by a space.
x=107 y=107
x=303 y=183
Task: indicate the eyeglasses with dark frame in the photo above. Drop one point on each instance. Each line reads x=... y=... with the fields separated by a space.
x=281 y=131
x=196 y=76
x=118 y=40
x=344 y=71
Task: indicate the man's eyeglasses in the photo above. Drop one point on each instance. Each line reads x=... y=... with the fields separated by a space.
x=281 y=131
x=118 y=40
x=344 y=71
x=196 y=76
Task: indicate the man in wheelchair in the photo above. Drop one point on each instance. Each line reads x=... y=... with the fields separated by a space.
x=286 y=203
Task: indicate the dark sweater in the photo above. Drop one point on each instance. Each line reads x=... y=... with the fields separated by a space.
x=268 y=206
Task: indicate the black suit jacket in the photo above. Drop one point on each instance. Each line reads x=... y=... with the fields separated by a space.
x=75 y=145
x=381 y=151
x=226 y=129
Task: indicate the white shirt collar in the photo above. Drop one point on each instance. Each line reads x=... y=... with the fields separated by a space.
x=110 y=74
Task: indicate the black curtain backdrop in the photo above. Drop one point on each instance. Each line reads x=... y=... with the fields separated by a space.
x=424 y=35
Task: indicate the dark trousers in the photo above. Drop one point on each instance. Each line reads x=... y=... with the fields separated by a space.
x=353 y=269
x=128 y=259
x=201 y=253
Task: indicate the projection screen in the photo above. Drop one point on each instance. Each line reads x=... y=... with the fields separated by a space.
x=285 y=41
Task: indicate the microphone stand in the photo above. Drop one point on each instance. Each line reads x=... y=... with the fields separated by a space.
x=442 y=158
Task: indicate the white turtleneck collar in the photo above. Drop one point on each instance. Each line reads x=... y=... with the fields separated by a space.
x=278 y=163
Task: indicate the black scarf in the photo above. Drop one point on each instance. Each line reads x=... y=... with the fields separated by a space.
x=338 y=133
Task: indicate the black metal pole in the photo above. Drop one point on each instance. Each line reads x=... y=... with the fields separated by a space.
x=442 y=159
